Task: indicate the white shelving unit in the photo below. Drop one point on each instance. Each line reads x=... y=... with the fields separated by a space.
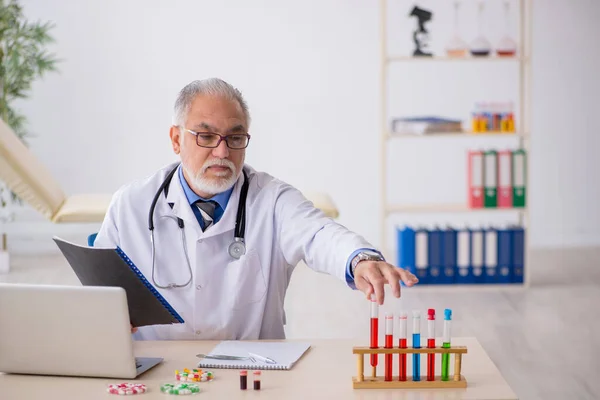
x=465 y=134
x=490 y=58
x=446 y=208
x=522 y=135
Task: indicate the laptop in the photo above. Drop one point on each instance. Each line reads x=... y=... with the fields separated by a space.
x=67 y=331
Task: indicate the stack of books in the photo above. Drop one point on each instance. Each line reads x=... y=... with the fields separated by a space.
x=424 y=125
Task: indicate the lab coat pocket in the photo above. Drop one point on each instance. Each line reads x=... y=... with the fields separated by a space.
x=246 y=280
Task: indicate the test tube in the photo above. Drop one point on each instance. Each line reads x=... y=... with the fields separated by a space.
x=374 y=331
x=389 y=343
x=416 y=345
x=431 y=344
x=243 y=379
x=402 y=345
x=446 y=343
x=257 y=380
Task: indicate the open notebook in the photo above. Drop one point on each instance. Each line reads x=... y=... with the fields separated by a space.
x=286 y=354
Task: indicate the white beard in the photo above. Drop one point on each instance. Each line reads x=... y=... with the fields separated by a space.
x=217 y=185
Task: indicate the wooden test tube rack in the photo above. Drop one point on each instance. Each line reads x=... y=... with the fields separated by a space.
x=455 y=379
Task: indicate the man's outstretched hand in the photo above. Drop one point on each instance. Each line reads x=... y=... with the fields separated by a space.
x=371 y=276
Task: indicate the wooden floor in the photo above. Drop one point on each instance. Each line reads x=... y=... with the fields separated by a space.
x=545 y=340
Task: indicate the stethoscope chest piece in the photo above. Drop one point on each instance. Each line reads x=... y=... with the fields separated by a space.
x=237 y=248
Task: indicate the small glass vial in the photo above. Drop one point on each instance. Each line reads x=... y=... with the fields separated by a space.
x=256 y=380
x=243 y=379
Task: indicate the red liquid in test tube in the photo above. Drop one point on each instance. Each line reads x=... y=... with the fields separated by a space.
x=431 y=344
x=402 y=332
x=374 y=328
x=389 y=343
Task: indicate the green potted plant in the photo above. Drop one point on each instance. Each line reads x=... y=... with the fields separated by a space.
x=23 y=59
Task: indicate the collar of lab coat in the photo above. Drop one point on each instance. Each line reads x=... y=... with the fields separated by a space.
x=182 y=209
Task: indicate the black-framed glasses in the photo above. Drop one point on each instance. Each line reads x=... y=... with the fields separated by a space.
x=236 y=141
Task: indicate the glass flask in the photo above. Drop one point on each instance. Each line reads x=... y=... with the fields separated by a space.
x=480 y=47
x=507 y=46
x=456 y=46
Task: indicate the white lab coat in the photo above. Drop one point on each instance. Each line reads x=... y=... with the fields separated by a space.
x=227 y=298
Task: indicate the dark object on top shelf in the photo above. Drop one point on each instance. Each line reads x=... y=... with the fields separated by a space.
x=421 y=35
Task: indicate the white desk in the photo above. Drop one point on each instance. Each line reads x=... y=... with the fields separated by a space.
x=325 y=372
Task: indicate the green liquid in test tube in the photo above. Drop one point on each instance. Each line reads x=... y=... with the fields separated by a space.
x=446 y=343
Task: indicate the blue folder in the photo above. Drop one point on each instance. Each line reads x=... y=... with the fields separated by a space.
x=490 y=256
x=449 y=256
x=478 y=247
x=422 y=256
x=504 y=256
x=436 y=261
x=518 y=254
x=464 y=272
x=406 y=249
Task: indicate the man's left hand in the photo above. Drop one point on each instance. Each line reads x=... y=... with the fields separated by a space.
x=371 y=276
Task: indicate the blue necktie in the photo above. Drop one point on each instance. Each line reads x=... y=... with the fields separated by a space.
x=207 y=211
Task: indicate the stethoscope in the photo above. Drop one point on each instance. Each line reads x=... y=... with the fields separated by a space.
x=236 y=249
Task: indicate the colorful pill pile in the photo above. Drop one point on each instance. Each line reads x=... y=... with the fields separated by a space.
x=195 y=375
x=182 y=388
x=126 y=388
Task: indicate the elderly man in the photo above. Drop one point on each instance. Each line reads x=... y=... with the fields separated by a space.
x=226 y=238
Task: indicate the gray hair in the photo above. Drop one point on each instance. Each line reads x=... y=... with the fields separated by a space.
x=212 y=87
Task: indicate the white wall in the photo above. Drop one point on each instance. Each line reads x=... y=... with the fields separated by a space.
x=310 y=72
x=566 y=97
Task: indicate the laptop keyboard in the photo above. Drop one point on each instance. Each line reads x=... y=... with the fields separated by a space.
x=137 y=363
